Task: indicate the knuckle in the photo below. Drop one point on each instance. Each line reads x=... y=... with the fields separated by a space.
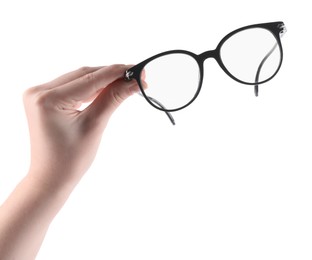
x=118 y=67
x=85 y=69
x=30 y=93
x=41 y=100
x=27 y=94
x=44 y=99
x=89 y=77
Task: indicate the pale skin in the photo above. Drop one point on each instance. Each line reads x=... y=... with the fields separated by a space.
x=64 y=141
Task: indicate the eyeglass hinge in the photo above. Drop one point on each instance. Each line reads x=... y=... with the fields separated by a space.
x=128 y=75
x=283 y=29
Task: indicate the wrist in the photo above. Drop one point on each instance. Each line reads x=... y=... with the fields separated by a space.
x=53 y=184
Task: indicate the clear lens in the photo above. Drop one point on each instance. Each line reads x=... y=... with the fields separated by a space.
x=172 y=80
x=252 y=55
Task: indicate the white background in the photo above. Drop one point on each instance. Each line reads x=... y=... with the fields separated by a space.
x=232 y=180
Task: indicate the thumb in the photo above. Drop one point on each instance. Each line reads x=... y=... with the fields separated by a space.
x=110 y=98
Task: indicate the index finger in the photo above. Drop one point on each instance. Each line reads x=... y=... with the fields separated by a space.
x=88 y=85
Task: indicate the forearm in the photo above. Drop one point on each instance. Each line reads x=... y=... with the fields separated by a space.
x=26 y=215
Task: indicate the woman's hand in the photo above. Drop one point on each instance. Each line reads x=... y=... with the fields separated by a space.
x=64 y=140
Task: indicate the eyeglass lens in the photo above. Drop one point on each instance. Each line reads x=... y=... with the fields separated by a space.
x=244 y=52
x=172 y=79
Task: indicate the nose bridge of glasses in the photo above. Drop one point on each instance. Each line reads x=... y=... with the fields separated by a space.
x=208 y=54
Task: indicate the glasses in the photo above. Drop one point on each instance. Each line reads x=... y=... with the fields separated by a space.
x=172 y=80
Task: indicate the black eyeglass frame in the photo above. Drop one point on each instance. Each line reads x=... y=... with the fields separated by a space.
x=276 y=28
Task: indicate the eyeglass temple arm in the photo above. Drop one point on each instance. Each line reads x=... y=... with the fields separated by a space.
x=282 y=32
x=260 y=67
x=128 y=77
x=162 y=106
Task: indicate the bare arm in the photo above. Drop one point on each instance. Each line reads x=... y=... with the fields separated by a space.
x=64 y=142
